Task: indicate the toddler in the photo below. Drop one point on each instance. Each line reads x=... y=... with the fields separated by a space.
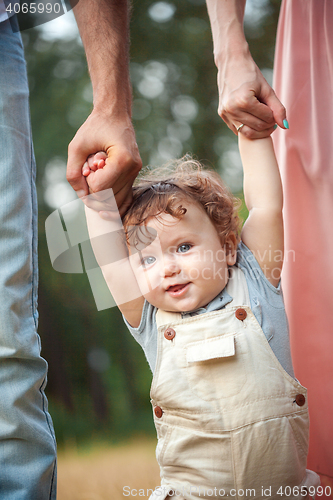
x=207 y=308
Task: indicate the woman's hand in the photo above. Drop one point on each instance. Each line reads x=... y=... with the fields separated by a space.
x=246 y=97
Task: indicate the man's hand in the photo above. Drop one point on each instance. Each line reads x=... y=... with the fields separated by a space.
x=104 y=29
x=246 y=97
x=102 y=132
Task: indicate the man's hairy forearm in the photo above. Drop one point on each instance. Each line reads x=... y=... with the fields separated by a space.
x=104 y=29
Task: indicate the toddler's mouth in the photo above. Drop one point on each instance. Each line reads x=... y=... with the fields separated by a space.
x=177 y=290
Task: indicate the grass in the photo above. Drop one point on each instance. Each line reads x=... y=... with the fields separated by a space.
x=102 y=473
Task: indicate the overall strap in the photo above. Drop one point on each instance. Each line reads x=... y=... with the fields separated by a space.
x=237 y=288
x=166 y=317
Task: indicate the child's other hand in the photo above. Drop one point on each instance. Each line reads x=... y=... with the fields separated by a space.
x=93 y=163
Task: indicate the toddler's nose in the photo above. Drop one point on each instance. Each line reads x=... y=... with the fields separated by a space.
x=171 y=267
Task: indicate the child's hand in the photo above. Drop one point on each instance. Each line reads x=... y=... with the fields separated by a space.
x=93 y=163
x=102 y=201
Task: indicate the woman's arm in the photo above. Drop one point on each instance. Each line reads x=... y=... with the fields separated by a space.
x=263 y=230
x=244 y=94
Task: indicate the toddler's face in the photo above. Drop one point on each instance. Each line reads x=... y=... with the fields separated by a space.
x=186 y=266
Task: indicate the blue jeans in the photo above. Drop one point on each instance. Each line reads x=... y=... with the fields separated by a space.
x=27 y=442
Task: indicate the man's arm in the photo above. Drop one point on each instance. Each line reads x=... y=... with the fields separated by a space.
x=263 y=230
x=103 y=26
x=244 y=95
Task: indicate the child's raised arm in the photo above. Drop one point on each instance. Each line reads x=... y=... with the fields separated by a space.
x=109 y=246
x=263 y=230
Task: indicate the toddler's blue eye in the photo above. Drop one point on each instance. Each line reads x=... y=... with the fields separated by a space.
x=184 y=248
x=147 y=261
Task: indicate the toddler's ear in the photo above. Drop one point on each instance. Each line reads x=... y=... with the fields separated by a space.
x=230 y=247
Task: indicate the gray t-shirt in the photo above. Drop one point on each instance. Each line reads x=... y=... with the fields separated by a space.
x=266 y=303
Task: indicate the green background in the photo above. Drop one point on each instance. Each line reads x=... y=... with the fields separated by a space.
x=98 y=383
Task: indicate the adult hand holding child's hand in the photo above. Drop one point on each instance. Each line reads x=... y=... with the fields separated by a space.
x=246 y=97
x=104 y=201
x=101 y=132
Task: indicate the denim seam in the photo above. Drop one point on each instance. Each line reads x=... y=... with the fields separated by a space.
x=34 y=279
x=52 y=435
x=52 y=479
x=45 y=411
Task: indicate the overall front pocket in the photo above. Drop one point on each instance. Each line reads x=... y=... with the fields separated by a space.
x=216 y=367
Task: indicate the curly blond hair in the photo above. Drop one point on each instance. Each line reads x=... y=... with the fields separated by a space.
x=163 y=189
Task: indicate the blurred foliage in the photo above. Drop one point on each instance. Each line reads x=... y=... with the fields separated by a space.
x=98 y=377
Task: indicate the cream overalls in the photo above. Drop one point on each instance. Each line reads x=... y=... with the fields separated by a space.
x=228 y=416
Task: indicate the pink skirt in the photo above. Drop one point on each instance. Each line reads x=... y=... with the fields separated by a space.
x=304 y=83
